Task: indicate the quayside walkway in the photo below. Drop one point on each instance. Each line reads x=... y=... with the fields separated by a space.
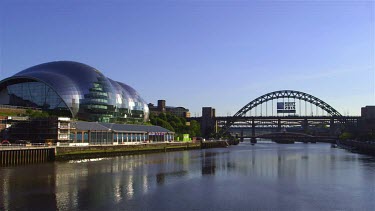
x=13 y=155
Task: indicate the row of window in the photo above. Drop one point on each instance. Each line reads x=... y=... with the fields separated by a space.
x=110 y=137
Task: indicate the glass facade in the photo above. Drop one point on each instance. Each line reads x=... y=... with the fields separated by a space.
x=35 y=94
x=110 y=137
x=128 y=102
x=75 y=87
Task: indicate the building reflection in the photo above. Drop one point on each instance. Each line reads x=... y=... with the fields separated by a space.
x=4 y=190
x=274 y=164
x=100 y=183
x=93 y=184
x=161 y=178
x=29 y=186
x=208 y=162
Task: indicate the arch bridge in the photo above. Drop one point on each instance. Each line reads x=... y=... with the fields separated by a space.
x=293 y=111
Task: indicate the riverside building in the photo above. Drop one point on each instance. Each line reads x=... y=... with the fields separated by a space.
x=84 y=106
x=162 y=108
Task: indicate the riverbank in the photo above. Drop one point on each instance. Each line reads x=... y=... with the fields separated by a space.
x=95 y=151
x=365 y=147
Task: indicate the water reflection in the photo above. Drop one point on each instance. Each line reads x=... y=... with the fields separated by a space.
x=161 y=177
x=18 y=184
x=208 y=162
x=308 y=174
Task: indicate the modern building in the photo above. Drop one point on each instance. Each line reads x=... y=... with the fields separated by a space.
x=74 y=90
x=368 y=112
x=208 y=124
x=368 y=121
x=162 y=108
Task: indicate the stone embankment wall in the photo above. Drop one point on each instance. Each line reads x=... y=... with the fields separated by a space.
x=214 y=144
x=21 y=156
x=366 y=147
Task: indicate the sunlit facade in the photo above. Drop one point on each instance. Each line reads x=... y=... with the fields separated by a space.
x=76 y=90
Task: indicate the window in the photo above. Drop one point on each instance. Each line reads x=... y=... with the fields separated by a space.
x=34 y=94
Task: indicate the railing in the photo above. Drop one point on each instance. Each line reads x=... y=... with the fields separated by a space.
x=64 y=127
x=33 y=145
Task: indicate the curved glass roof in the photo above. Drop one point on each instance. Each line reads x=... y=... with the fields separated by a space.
x=84 y=89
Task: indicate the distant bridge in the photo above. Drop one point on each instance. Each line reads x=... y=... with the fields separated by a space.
x=305 y=112
x=289 y=137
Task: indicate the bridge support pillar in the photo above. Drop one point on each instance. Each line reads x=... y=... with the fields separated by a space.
x=252 y=127
x=278 y=125
x=332 y=126
x=253 y=140
x=241 y=139
x=305 y=125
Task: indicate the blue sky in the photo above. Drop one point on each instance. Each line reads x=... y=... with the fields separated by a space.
x=197 y=53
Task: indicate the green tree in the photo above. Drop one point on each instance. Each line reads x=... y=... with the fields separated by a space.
x=165 y=125
x=176 y=124
x=163 y=116
x=33 y=113
x=346 y=135
x=195 y=128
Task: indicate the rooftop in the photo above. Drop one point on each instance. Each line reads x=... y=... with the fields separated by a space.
x=80 y=125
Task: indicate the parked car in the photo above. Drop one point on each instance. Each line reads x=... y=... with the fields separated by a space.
x=5 y=143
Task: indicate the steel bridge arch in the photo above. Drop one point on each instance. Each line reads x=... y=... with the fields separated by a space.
x=282 y=94
x=288 y=94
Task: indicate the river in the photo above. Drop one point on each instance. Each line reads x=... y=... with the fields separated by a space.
x=244 y=177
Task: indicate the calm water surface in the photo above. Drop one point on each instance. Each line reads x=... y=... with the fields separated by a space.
x=243 y=177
